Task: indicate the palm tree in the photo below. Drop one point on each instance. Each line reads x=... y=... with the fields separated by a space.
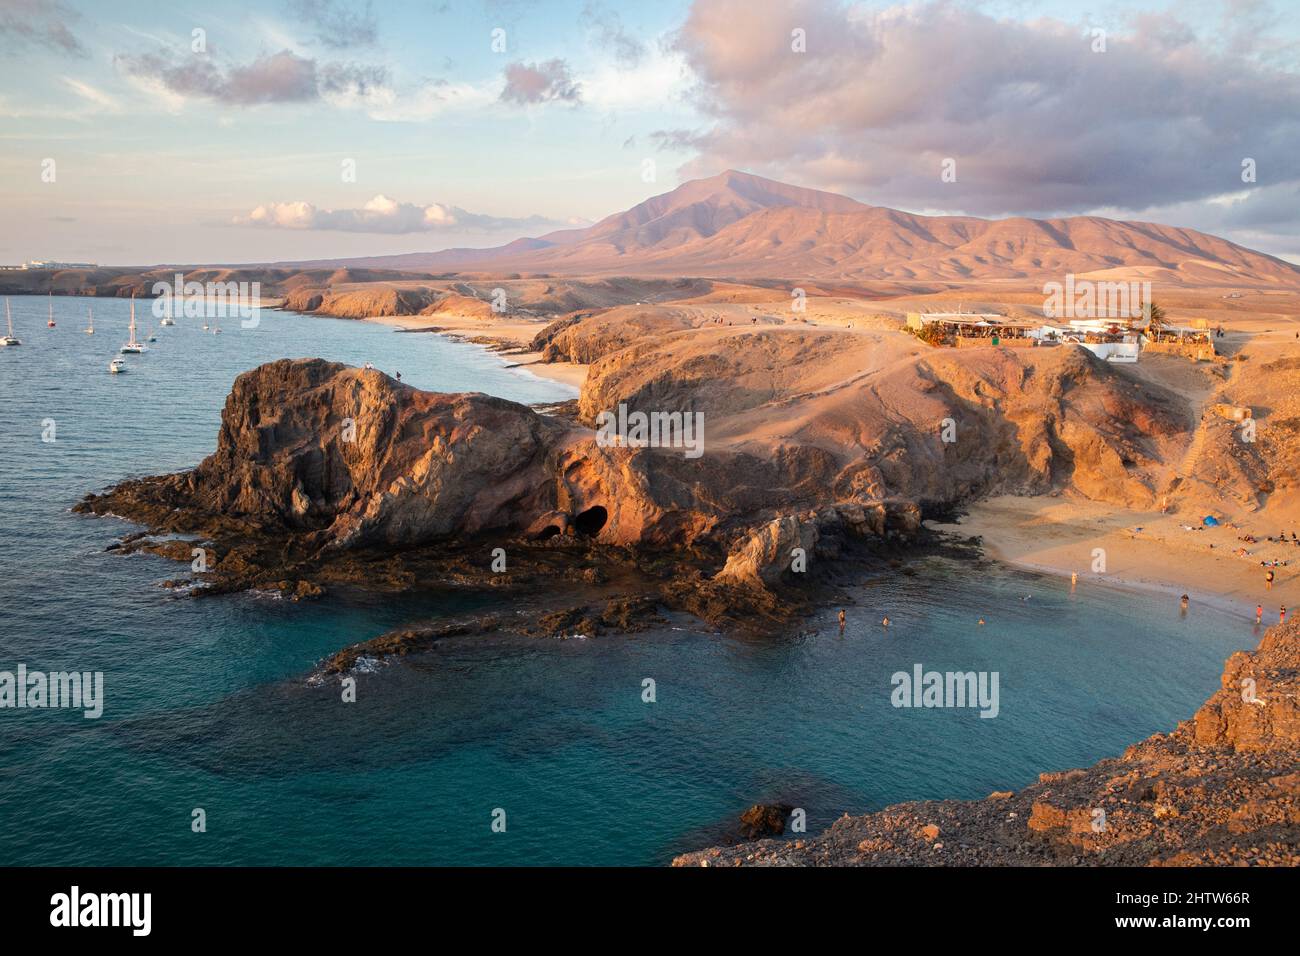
x=1155 y=319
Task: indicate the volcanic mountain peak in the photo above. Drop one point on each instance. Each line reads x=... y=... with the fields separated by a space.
x=698 y=209
x=737 y=224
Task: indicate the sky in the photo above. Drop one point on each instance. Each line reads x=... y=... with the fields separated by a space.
x=135 y=133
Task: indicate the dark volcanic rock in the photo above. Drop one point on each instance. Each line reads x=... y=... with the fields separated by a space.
x=763 y=820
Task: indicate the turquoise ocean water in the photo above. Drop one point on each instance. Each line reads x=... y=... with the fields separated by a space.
x=207 y=703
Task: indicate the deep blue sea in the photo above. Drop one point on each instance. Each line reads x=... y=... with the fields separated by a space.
x=207 y=703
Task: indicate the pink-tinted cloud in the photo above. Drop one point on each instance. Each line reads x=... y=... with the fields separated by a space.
x=540 y=83
x=282 y=77
x=1035 y=119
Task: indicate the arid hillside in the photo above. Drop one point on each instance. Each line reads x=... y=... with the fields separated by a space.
x=739 y=225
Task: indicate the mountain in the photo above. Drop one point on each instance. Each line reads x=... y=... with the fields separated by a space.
x=740 y=225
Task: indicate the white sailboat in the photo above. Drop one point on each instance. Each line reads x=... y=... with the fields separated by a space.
x=90 y=329
x=117 y=366
x=135 y=346
x=9 y=339
x=51 y=322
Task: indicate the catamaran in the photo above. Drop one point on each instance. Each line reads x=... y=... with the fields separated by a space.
x=51 y=322
x=90 y=329
x=135 y=346
x=9 y=339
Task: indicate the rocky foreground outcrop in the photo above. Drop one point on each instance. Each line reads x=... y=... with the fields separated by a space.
x=1222 y=789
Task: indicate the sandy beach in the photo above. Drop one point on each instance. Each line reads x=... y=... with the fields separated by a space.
x=1149 y=551
x=510 y=338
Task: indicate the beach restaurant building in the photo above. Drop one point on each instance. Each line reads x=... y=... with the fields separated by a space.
x=971 y=329
x=1113 y=340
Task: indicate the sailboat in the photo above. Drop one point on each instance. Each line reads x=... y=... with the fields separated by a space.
x=90 y=329
x=9 y=339
x=51 y=322
x=135 y=346
x=117 y=366
x=167 y=320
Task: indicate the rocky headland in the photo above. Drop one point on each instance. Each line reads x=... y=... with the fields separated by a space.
x=817 y=440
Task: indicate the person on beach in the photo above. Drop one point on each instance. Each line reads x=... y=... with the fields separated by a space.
x=1259 y=613
x=1281 y=618
x=1074 y=579
x=842 y=618
x=1268 y=580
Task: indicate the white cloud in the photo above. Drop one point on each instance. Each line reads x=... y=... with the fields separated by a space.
x=94 y=95
x=383 y=214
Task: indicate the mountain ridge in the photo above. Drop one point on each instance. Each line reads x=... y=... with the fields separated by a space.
x=736 y=224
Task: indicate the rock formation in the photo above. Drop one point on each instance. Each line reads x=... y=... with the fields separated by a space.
x=811 y=439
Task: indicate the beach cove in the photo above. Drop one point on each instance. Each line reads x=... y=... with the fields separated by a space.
x=208 y=700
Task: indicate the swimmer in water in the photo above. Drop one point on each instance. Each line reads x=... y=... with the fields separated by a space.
x=842 y=618
x=884 y=622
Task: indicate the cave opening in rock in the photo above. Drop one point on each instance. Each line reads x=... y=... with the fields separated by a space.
x=591 y=521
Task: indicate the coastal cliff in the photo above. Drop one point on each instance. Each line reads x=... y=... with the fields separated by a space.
x=314 y=458
x=1221 y=789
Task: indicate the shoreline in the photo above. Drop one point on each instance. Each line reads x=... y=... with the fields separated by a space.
x=510 y=340
x=1143 y=551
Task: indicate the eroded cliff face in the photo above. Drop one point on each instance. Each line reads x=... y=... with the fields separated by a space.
x=810 y=439
x=931 y=425
x=356 y=458
x=1221 y=789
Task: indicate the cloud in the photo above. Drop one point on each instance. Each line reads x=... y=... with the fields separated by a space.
x=40 y=22
x=1036 y=121
x=384 y=215
x=607 y=26
x=540 y=83
x=283 y=77
x=337 y=24
x=93 y=95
